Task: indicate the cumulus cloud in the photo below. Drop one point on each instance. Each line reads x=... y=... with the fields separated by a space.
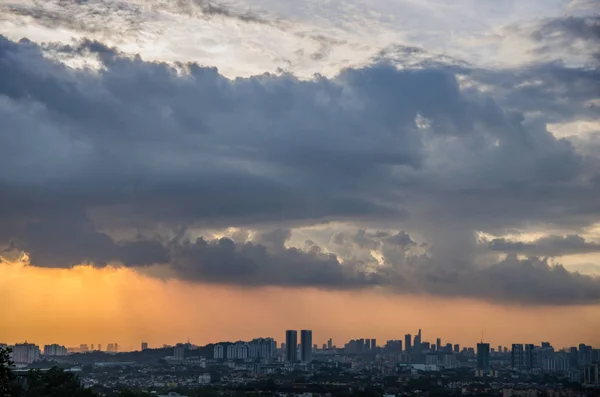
x=145 y=145
x=546 y=246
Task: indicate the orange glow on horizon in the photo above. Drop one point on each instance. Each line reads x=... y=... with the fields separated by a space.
x=89 y=305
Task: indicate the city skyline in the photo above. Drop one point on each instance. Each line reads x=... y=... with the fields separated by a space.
x=186 y=169
x=481 y=346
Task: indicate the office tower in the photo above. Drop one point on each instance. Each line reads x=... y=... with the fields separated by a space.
x=407 y=340
x=529 y=356
x=92 y=347
x=505 y=349
x=291 y=345
x=417 y=344
x=99 y=346
x=438 y=344
x=116 y=347
x=373 y=344
x=330 y=344
x=306 y=345
x=457 y=348
x=516 y=356
x=483 y=356
x=367 y=344
x=144 y=346
x=499 y=349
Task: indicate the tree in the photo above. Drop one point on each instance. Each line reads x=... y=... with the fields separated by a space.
x=8 y=388
x=54 y=383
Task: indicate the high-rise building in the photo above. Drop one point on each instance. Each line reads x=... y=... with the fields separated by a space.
x=99 y=346
x=529 y=356
x=457 y=348
x=367 y=344
x=330 y=344
x=591 y=374
x=291 y=345
x=218 y=352
x=483 y=356
x=418 y=341
x=55 y=350
x=407 y=342
x=25 y=353
x=179 y=352
x=306 y=345
x=517 y=359
x=144 y=346
x=438 y=344
x=373 y=344
x=393 y=346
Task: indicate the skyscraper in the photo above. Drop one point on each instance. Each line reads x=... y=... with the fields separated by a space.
x=367 y=344
x=144 y=346
x=529 y=356
x=330 y=344
x=306 y=345
x=516 y=356
x=483 y=356
x=407 y=342
x=438 y=344
x=373 y=344
x=291 y=345
x=418 y=341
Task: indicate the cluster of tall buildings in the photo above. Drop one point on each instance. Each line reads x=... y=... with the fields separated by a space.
x=55 y=350
x=357 y=346
x=256 y=348
x=292 y=348
x=25 y=353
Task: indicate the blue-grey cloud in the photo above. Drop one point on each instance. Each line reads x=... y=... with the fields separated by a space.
x=147 y=144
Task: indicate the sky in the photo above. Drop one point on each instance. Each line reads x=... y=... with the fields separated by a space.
x=224 y=171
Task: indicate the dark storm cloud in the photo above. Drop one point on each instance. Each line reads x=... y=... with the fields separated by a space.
x=146 y=144
x=224 y=261
x=546 y=246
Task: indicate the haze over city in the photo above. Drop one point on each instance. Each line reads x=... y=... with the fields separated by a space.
x=227 y=171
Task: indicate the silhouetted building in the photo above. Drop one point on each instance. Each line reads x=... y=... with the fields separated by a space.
x=407 y=342
x=306 y=345
x=179 y=352
x=418 y=341
x=25 y=353
x=373 y=344
x=330 y=344
x=517 y=360
x=457 y=348
x=55 y=350
x=529 y=356
x=438 y=344
x=144 y=346
x=483 y=356
x=291 y=345
x=591 y=374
